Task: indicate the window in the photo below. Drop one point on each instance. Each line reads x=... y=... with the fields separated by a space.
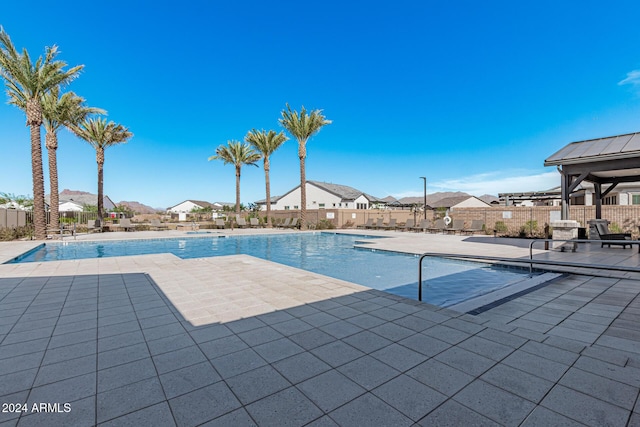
x=635 y=199
x=361 y=206
x=321 y=206
x=610 y=200
x=286 y=208
x=295 y=207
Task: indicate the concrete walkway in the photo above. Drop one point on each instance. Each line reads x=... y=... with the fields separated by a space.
x=156 y=340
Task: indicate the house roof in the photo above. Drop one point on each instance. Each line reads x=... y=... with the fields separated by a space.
x=83 y=199
x=448 y=202
x=201 y=203
x=343 y=191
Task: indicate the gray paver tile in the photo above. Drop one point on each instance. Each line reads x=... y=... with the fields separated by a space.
x=120 y=401
x=171 y=361
x=209 y=333
x=67 y=369
x=437 y=375
x=158 y=332
x=239 y=417
x=340 y=329
x=27 y=347
x=399 y=357
x=171 y=343
x=366 y=321
x=312 y=338
x=486 y=348
x=288 y=407
x=237 y=363
x=368 y=410
x=549 y=352
x=260 y=335
x=368 y=372
x=414 y=323
x=330 y=390
x=256 y=384
x=118 y=341
x=10 y=417
x=453 y=414
x=583 y=408
x=157 y=415
x=627 y=374
x=203 y=405
x=20 y=363
x=222 y=346
x=337 y=353
x=301 y=367
x=367 y=341
x=392 y=332
x=494 y=403
x=122 y=355
x=502 y=337
x=424 y=344
x=447 y=334
x=410 y=397
x=291 y=327
x=541 y=416
x=536 y=365
x=464 y=360
x=82 y=413
x=64 y=391
x=518 y=382
x=278 y=349
x=188 y=379
x=243 y=325
x=121 y=375
x=601 y=388
x=73 y=351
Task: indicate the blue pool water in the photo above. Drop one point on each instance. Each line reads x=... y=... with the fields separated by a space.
x=447 y=282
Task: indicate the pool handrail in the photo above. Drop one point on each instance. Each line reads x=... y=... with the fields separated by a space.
x=531 y=261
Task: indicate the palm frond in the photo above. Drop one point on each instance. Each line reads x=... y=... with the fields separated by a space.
x=265 y=142
x=302 y=125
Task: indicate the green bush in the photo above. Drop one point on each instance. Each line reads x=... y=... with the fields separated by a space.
x=325 y=224
x=500 y=227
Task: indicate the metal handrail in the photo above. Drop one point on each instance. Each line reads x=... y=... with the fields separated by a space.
x=531 y=261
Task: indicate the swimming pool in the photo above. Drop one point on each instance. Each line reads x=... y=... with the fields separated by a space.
x=448 y=282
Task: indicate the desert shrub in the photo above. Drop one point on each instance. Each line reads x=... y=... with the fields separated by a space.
x=500 y=227
x=348 y=224
x=615 y=228
x=325 y=224
x=8 y=234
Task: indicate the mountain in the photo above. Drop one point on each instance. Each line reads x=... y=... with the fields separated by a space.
x=139 y=208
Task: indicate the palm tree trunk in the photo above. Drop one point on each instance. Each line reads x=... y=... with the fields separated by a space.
x=237 y=190
x=34 y=121
x=302 y=153
x=54 y=202
x=100 y=161
x=268 y=191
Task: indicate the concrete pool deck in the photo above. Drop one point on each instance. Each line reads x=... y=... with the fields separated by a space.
x=236 y=340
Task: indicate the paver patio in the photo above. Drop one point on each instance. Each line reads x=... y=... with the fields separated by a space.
x=156 y=340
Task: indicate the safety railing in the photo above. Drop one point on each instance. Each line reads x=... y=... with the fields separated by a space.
x=531 y=262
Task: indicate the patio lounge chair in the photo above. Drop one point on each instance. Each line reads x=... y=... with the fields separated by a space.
x=368 y=224
x=254 y=223
x=605 y=234
x=293 y=224
x=94 y=225
x=457 y=226
x=424 y=224
x=220 y=223
x=391 y=225
x=408 y=225
x=379 y=224
x=439 y=226
x=241 y=223
x=476 y=225
x=157 y=225
x=125 y=223
x=286 y=223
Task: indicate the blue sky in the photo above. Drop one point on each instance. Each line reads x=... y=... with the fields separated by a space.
x=472 y=95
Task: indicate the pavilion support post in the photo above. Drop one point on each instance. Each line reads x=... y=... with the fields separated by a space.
x=564 y=194
x=598 y=190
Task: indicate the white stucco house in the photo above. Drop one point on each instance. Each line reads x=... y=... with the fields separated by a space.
x=322 y=195
x=189 y=205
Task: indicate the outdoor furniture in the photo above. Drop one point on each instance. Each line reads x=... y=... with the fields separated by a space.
x=408 y=225
x=476 y=225
x=424 y=224
x=241 y=223
x=391 y=225
x=286 y=223
x=605 y=234
x=438 y=226
x=254 y=223
x=367 y=224
x=157 y=225
x=292 y=224
x=125 y=223
x=220 y=223
x=379 y=224
x=458 y=225
x=93 y=225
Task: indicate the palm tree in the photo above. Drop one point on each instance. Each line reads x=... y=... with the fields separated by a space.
x=26 y=82
x=101 y=135
x=66 y=110
x=303 y=126
x=238 y=154
x=266 y=143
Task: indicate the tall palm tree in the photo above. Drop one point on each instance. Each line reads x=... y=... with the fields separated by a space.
x=58 y=111
x=26 y=82
x=101 y=135
x=266 y=143
x=238 y=154
x=303 y=126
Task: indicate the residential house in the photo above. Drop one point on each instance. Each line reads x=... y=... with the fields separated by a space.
x=70 y=201
x=323 y=195
x=189 y=205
